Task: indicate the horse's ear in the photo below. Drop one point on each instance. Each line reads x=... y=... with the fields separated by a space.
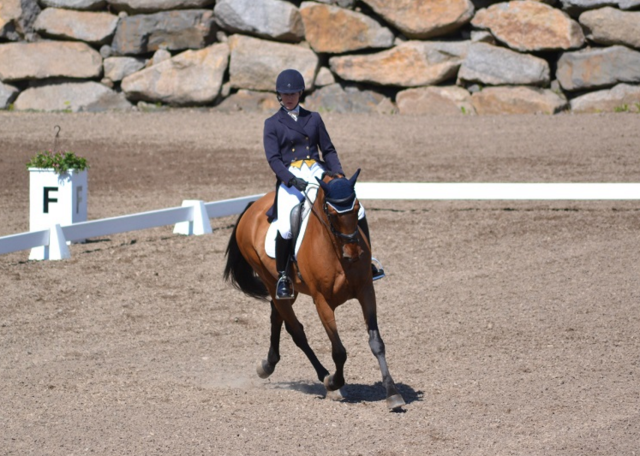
x=354 y=178
x=323 y=184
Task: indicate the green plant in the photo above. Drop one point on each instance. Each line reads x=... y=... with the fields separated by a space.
x=623 y=108
x=61 y=162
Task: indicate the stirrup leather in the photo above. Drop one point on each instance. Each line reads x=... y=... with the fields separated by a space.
x=284 y=287
x=377 y=271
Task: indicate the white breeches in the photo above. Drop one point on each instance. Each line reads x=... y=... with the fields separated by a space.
x=288 y=197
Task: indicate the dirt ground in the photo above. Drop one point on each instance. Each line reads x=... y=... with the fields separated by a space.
x=510 y=327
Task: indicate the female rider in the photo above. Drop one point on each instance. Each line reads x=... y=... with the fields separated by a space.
x=293 y=139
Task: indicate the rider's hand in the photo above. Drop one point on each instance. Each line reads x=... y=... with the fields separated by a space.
x=331 y=173
x=298 y=183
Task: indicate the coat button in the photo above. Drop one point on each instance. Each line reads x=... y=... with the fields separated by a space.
x=293 y=149
x=307 y=149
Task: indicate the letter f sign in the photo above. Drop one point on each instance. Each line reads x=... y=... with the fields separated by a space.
x=48 y=199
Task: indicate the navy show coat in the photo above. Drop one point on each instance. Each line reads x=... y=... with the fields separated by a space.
x=286 y=141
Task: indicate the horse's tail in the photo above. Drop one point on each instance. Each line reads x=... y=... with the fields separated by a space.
x=238 y=270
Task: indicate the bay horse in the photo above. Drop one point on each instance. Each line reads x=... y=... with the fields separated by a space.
x=333 y=265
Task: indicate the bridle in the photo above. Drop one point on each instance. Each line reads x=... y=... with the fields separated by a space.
x=349 y=238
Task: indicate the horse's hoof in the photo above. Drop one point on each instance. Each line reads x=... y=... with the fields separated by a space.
x=335 y=395
x=329 y=383
x=264 y=370
x=395 y=401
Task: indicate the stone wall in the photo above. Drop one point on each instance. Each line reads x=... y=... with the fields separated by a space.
x=452 y=57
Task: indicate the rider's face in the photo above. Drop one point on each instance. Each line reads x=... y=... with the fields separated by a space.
x=290 y=100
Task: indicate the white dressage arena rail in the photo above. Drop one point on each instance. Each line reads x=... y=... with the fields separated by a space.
x=192 y=218
x=492 y=191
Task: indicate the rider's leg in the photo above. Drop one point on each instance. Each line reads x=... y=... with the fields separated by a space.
x=284 y=287
x=287 y=198
x=377 y=273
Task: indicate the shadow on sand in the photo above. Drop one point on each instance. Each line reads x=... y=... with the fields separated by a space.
x=353 y=392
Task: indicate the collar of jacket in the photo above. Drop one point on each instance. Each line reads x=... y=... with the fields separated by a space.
x=303 y=118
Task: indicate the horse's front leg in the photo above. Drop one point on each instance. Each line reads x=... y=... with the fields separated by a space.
x=368 y=303
x=267 y=366
x=339 y=354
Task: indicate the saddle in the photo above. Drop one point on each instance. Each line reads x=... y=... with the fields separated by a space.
x=299 y=218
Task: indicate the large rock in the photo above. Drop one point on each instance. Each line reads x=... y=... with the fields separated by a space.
x=48 y=59
x=118 y=68
x=530 y=26
x=8 y=93
x=273 y=19
x=628 y=4
x=598 y=67
x=612 y=26
x=17 y=18
x=324 y=77
x=441 y=101
x=250 y=101
x=190 y=78
x=576 y=7
x=425 y=18
x=153 y=6
x=350 y=99
x=92 y=27
x=334 y=30
x=621 y=98
x=173 y=31
x=342 y=3
x=255 y=63
x=517 y=100
x=492 y=65
x=410 y=64
x=81 y=5
x=71 y=97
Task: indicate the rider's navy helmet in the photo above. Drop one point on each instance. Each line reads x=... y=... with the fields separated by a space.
x=290 y=81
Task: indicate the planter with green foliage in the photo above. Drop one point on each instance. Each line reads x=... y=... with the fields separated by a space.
x=57 y=192
x=59 y=162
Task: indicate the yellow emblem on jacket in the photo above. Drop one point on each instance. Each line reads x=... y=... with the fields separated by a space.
x=298 y=163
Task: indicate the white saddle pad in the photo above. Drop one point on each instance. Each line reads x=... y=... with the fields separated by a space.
x=270 y=239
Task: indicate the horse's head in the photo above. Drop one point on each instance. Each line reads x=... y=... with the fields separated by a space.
x=341 y=207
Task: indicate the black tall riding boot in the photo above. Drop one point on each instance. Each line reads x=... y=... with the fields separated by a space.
x=376 y=272
x=284 y=287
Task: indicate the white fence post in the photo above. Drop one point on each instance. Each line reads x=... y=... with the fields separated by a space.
x=199 y=223
x=57 y=248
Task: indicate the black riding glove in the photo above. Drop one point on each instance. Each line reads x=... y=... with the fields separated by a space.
x=298 y=183
x=330 y=173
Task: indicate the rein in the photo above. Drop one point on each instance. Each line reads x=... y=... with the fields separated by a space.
x=351 y=238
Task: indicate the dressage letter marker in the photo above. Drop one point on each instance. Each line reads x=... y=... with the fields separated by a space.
x=55 y=199
x=47 y=199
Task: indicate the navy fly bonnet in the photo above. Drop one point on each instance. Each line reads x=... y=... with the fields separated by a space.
x=340 y=192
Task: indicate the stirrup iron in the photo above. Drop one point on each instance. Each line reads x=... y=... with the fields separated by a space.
x=284 y=288
x=377 y=270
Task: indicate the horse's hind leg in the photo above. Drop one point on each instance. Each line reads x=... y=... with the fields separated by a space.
x=267 y=366
x=368 y=304
x=284 y=312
